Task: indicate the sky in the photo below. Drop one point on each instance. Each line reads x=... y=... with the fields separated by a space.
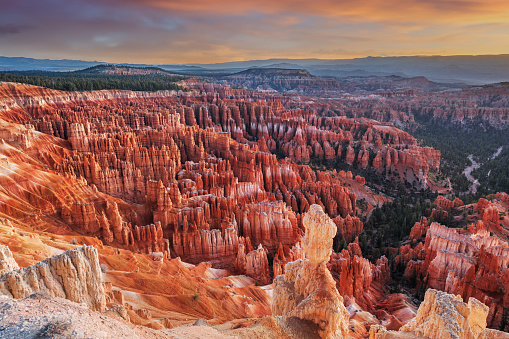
x=206 y=31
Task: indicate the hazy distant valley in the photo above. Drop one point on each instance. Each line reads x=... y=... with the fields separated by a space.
x=461 y=69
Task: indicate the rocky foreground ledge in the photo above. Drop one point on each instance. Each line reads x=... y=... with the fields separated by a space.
x=444 y=316
x=38 y=316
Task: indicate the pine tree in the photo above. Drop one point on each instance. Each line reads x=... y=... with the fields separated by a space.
x=504 y=321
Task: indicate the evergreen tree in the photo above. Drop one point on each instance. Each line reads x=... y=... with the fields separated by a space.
x=505 y=320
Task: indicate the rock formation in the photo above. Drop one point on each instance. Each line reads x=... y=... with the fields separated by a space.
x=358 y=280
x=254 y=264
x=189 y=175
x=458 y=109
x=7 y=262
x=471 y=265
x=446 y=316
x=285 y=255
x=349 y=227
x=419 y=229
x=73 y=275
x=446 y=204
x=307 y=290
x=211 y=174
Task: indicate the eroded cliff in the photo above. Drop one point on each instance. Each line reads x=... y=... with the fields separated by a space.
x=73 y=275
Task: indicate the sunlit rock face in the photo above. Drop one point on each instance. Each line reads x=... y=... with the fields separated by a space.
x=443 y=315
x=73 y=275
x=307 y=290
x=7 y=262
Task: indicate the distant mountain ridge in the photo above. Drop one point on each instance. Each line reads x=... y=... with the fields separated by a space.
x=469 y=69
x=124 y=70
x=275 y=72
x=30 y=64
x=280 y=79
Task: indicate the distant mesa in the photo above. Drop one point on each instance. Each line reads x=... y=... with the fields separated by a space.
x=275 y=72
x=124 y=70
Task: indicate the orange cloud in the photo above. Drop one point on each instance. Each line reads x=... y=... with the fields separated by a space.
x=204 y=31
x=367 y=10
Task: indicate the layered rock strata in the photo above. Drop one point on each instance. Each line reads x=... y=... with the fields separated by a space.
x=470 y=265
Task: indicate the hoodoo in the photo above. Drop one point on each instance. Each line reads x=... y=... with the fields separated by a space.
x=307 y=290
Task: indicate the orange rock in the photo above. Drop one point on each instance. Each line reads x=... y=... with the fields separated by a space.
x=419 y=229
x=349 y=227
x=307 y=291
x=360 y=180
x=445 y=263
x=358 y=278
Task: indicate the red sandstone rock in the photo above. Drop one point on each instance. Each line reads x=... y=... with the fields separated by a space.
x=350 y=155
x=446 y=263
x=349 y=227
x=446 y=204
x=419 y=229
x=358 y=278
x=189 y=176
x=360 y=180
x=503 y=196
x=254 y=264
x=285 y=255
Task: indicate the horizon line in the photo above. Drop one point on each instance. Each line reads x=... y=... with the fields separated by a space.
x=261 y=60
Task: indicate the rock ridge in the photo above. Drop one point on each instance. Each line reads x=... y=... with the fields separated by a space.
x=74 y=275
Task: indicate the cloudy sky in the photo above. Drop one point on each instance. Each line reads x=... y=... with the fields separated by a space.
x=207 y=31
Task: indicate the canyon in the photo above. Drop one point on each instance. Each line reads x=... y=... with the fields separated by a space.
x=223 y=207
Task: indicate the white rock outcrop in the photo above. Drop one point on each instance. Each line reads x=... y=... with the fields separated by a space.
x=7 y=262
x=74 y=275
x=446 y=316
